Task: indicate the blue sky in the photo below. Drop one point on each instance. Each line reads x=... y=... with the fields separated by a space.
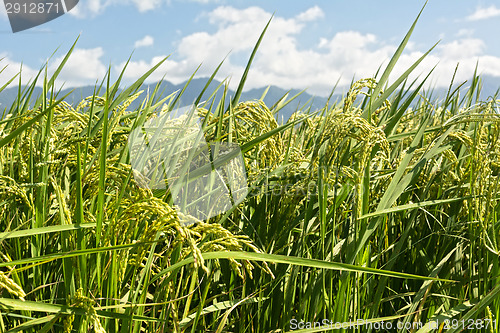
x=310 y=44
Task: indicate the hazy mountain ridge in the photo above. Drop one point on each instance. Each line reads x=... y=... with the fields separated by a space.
x=490 y=86
x=189 y=96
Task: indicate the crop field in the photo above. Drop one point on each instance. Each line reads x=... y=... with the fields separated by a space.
x=379 y=209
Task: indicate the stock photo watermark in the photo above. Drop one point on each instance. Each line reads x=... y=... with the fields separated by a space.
x=170 y=151
x=27 y=14
x=462 y=324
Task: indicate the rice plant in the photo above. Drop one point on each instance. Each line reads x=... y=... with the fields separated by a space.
x=380 y=207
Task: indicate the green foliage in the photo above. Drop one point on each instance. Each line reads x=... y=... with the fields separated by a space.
x=382 y=207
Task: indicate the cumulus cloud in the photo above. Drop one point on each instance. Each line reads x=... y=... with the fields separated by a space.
x=313 y=13
x=462 y=48
x=482 y=13
x=205 y=1
x=466 y=52
x=146 y=41
x=283 y=62
x=90 y=8
x=147 y=5
x=83 y=67
x=175 y=71
x=97 y=7
x=465 y=33
x=10 y=68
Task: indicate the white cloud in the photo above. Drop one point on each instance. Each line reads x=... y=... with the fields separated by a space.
x=174 y=71
x=224 y=15
x=147 y=5
x=97 y=7
x=283 y=62
x=311 y=14
x=465 y=33
x=484 y=13
x=90 y=8
x=83 y=67
x=280 y=59
x=146 y=41
x=462 y=48
x=467 y=53
x=205 y=1
x=10 y=68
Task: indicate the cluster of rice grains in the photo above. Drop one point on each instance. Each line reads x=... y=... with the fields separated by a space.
x=132 y=214
x=289 y=163
x=332 y=147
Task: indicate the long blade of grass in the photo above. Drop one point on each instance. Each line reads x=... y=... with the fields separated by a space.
x=409 y=207
x=281 y=259
x=390 y=66
x=479 y=307
x=243 y=79
x=8 y=138
x=44 y=230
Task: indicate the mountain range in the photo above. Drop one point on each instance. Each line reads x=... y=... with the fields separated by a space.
x=274 y=94
x=490 y=86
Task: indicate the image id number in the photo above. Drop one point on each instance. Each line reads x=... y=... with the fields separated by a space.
x=33 y=8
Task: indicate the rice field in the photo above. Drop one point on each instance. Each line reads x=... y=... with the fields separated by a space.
x=378 y=209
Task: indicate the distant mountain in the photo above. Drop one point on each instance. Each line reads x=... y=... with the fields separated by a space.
x=189 y=96
x=273 y=95
x=490 y=86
